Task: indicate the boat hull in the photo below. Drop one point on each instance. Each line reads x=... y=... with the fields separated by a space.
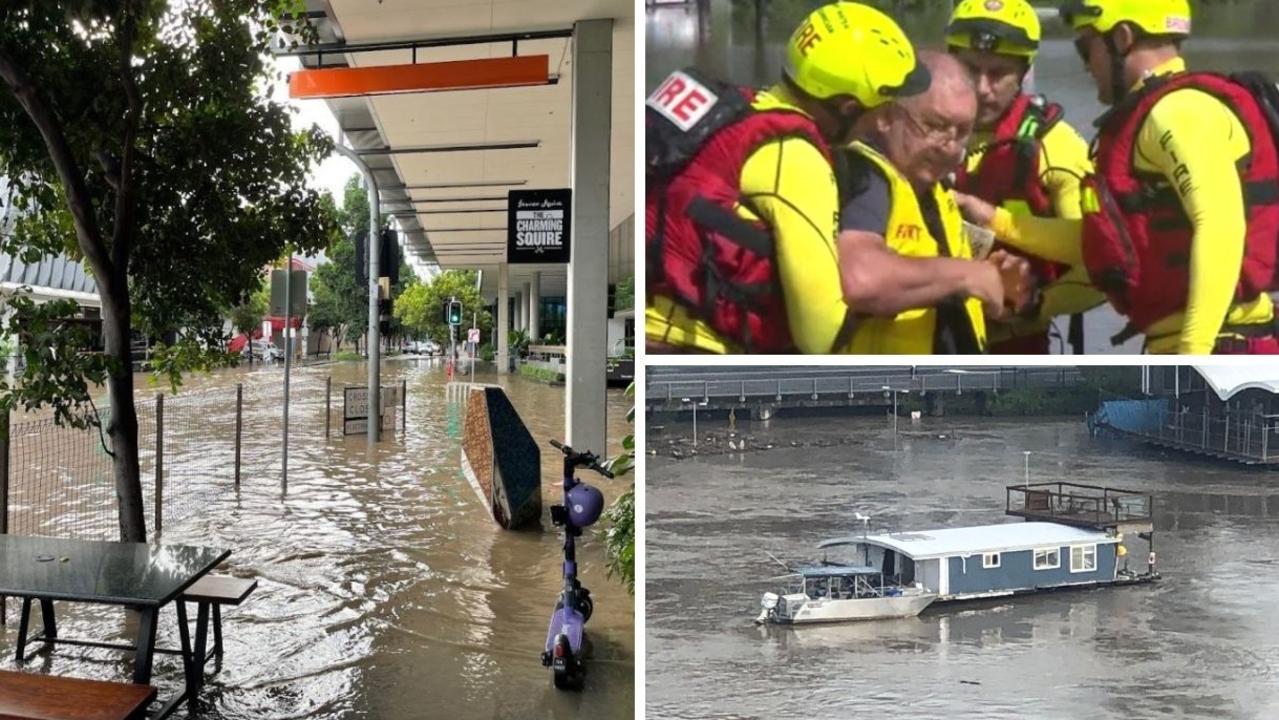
x=823 y=610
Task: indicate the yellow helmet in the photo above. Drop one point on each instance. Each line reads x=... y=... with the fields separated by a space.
x=1006 y=27
x=1153 y=17
x=847 y=48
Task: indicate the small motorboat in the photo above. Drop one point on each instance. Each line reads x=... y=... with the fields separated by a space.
x=841 y=593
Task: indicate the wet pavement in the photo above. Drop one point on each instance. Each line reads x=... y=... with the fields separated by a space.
x=1198 y=644
x=385 y=589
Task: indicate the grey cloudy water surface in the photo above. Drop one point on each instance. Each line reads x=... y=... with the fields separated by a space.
x=385 y=590
x=722 y=37
x=1200 y=643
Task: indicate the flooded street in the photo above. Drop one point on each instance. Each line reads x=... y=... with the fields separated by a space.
x=723 y=38
x=385 y=590
x=1197 y=644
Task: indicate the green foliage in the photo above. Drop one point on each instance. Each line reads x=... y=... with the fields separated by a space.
x=248 y=315
x=420 y=308
x=139 y=136
x=624 y=294
x=541 y=374
x=60 y=371
x=347 y=356
x=620 y=537
x=340 y=303
x=188 y=354
x=517 y=343
x=486 y=353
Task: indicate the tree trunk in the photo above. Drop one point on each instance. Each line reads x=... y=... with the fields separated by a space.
x=123 y=425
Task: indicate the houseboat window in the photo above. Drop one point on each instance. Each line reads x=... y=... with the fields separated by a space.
x=1047 y=559
x=1083 y=558
x=990 y=560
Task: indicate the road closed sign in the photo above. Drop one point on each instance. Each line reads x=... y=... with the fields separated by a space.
x=538 y=226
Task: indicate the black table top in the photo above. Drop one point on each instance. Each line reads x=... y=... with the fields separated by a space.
x=102 y=572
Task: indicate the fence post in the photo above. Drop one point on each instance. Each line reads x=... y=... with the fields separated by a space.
x=4 y=497
x=404 y=406
x=328 y=404
x=239 y=424
x=159 y=464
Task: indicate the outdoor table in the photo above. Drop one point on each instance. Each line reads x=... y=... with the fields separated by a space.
x=137 y=575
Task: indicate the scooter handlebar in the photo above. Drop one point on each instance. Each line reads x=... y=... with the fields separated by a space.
x=586 y=460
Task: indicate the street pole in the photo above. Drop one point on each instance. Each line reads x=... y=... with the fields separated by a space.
x=288 y=368
x=694 y=424
x=375 y=235
x=1027 y=480
x=474 y=323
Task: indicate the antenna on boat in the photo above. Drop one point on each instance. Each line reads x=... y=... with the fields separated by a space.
x=779 y=562
x=865 y=521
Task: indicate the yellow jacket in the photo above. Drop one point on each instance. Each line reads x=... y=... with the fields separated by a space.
x=914 y=331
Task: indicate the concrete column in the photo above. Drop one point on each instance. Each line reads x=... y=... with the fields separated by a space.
x=535 y=307
x=588 y=269
x=503 y=321
x=519 y=311
x=527 y=309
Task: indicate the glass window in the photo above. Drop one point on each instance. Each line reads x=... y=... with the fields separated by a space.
x=990 y=560
x=1047 y=559
x=1083 y=558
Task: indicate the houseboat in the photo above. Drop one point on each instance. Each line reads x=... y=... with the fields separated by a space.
x=1073 y=537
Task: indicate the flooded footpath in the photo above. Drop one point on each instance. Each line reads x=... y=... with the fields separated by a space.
x=385 y=589
x=1197 y=644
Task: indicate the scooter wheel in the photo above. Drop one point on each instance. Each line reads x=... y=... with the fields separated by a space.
x=571 y=679
x=586 y=605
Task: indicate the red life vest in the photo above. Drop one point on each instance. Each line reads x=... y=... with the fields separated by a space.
x=1010 y=168
x=1137 y=238
x=700 y=252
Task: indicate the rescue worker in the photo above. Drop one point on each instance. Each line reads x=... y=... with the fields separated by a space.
x=742 y=200
x=1181 y=218
x=1022 y=156
x=927 y=302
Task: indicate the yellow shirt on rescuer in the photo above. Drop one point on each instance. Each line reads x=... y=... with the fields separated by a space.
x=792 y=185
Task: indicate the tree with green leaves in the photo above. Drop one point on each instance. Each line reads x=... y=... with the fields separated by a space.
x=138 y=135
x=619 y=539
x=342 y=299
x=421 y=307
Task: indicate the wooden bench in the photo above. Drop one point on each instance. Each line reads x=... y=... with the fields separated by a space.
x=27 y=696
x=215 y=591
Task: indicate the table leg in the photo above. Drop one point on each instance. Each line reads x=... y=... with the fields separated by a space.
x=146 y=646
x=201 y=639
x=46 y=614
x=188 y=662
x=23 y=623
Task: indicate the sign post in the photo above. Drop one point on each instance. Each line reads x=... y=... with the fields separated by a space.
x=473 y=338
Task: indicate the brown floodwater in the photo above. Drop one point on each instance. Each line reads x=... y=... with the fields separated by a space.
x=385 y=589
x=1197 y=644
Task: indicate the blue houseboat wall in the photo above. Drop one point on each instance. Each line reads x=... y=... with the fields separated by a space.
x=1015 y=571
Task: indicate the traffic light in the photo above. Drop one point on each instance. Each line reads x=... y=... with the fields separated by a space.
x=384 y=309
x=453 y=312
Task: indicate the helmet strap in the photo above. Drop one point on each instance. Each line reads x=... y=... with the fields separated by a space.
x=845 y=120
x=1118 y=88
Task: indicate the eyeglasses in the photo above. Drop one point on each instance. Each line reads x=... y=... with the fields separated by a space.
x=938 y=132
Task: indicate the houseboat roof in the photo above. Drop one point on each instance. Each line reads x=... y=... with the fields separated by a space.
x=826 y=571
x=926 y=544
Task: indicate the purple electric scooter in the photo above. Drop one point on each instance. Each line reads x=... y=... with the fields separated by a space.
x=582 y=507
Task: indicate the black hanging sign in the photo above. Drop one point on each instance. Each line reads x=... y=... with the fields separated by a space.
x=537 y=226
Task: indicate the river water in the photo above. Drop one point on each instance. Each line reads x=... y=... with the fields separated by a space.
x=385 y=589
x=1197 y=644
x=723 y=38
